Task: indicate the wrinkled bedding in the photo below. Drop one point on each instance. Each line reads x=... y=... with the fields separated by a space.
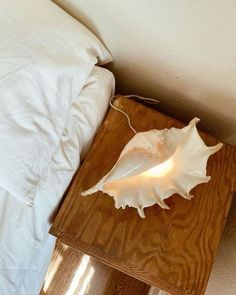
x=46 y=57
x=25 y=245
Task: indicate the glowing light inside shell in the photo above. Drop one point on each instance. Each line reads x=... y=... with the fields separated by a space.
x=160 y=170
x=151 y=167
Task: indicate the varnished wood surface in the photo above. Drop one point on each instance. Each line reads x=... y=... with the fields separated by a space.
x=70 y=272
x=171 y=249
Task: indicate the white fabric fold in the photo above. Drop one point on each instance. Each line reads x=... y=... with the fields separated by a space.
x=24 y=240
x=46 y=57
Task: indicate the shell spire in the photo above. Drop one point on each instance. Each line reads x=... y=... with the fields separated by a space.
x=156 y=164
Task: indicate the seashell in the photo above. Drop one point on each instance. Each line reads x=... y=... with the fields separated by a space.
x=156 y=164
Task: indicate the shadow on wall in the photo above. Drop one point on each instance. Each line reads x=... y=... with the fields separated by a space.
x=180 y=106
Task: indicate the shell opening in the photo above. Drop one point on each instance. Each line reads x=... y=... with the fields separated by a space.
x=156 y=164
x=160 y=170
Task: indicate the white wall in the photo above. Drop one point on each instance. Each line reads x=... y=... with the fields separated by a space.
x=181 y=52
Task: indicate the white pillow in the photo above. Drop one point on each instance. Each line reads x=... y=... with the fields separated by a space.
x=86 y=115
x=46 y=57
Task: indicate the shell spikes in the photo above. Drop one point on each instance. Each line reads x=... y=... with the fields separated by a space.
x=156 y=164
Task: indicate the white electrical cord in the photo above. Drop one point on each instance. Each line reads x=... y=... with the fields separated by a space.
x=147 y=99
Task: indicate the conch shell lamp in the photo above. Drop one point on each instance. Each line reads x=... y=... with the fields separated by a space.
x=156 y=164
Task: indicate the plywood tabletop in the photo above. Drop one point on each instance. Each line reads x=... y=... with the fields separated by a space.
x=171 y=249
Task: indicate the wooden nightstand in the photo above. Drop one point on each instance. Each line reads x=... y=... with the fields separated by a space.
x=171 y=249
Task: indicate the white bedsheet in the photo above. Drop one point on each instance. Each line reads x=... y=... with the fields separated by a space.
x=46 y=57
x=25 y=245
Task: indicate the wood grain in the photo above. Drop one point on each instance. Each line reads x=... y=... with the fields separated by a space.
x=104 y=281
x=171 y=249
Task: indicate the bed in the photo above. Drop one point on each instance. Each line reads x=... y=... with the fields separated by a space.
x=54 y=96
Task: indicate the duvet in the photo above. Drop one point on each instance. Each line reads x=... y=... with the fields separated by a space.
x=25 y=245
